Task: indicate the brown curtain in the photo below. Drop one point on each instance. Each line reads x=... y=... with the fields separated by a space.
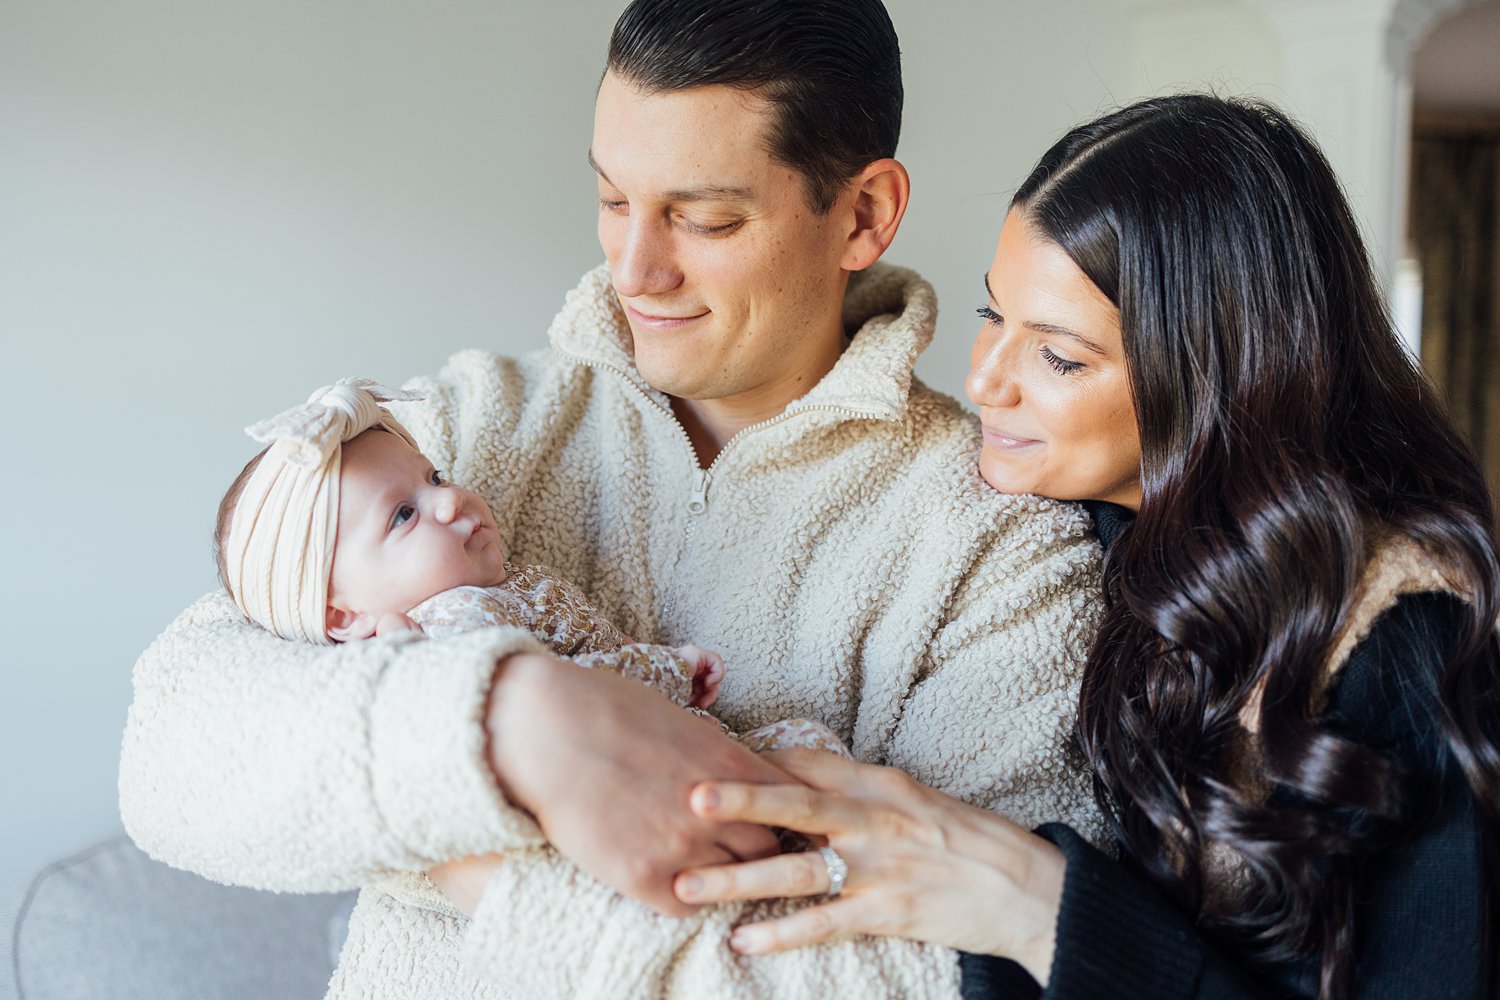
x=1455 y=227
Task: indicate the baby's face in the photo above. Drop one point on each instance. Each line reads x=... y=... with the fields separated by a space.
x=404 y=533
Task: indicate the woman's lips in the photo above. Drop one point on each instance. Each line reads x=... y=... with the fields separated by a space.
x=660 y=322
x=1003 y=441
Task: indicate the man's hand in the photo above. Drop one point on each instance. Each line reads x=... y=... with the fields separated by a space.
x=606 y=766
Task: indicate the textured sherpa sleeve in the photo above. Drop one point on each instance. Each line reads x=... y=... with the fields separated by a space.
x=258 y=761
x=546 y=929
x=990 y=716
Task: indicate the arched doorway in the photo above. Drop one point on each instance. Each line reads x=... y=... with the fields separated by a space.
x=1453 y=219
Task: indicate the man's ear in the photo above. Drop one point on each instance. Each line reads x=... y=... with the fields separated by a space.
x=880 y=192
x=342 y=626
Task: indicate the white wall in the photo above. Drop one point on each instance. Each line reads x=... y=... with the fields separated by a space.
x=209 y=208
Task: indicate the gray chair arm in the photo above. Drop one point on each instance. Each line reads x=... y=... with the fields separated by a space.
x=109 y=923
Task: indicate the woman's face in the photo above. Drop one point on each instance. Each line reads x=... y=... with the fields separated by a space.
x=1050 y=380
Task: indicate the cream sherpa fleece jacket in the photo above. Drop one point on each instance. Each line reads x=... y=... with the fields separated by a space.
x=844 y=557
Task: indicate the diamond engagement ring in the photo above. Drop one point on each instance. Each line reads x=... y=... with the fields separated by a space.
x=838 y=870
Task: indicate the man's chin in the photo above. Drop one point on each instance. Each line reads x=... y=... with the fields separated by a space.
x=673 y=382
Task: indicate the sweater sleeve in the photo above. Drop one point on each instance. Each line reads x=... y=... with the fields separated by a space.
x=1421 y=919
x=257 y=761
x=545 y=929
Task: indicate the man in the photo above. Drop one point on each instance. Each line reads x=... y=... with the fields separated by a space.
x=725 y=445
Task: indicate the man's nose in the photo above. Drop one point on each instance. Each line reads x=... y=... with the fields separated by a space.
x=992 y=380
x=645 y=264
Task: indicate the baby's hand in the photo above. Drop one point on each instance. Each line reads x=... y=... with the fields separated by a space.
x=708 y=670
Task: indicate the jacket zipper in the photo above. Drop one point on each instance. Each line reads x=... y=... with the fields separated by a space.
x=698 y=502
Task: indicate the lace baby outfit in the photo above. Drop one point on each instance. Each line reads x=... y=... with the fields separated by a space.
x=559 y=614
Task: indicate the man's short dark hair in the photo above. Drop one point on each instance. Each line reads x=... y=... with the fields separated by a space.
x=830 y=68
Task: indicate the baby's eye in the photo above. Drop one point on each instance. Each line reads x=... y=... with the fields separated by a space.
x=403 y=514
x=437 y=478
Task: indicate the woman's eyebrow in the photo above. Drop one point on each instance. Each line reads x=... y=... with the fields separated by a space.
x=1053 y=328
x=1063 y=331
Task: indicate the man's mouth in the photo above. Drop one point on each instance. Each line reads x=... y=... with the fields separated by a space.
x=661 y=321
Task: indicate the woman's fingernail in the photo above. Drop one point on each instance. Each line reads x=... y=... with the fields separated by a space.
x=689 y=887
x=746 y=941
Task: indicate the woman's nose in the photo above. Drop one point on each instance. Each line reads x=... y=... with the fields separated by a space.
x=992 y=378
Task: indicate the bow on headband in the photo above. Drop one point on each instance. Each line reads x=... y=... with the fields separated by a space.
x=279 y=551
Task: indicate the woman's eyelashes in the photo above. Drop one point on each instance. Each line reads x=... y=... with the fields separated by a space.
x=1058 y=363
x=1063 y=365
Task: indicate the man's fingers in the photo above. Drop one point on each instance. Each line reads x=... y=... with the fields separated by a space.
x=813 y=925
x=803 y=874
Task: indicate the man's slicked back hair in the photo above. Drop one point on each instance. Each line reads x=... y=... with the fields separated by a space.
x=830 y=68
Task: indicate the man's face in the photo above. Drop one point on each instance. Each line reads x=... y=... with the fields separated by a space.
x=731 y=282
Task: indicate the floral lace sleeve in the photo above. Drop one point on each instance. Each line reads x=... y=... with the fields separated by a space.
x=558 y=613
x=464 y=609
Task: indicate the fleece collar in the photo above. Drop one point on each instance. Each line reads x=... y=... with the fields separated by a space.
x=891 y=310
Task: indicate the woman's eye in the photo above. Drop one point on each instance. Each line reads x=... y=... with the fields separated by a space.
x=1061 y=364
x=403 y=514
x=989 y=315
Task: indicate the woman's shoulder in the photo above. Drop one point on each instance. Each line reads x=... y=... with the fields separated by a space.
x=1386 y=695
x=1397 y=566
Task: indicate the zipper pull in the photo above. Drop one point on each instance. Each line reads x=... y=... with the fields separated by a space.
x=699 y=503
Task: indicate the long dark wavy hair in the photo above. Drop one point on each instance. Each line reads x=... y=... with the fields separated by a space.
x=1281 y=424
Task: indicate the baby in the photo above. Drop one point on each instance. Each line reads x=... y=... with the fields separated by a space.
x=341 y=530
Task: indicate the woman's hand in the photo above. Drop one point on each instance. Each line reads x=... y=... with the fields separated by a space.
x=922 y=864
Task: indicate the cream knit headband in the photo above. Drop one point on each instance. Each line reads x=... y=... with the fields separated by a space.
x=279 y=552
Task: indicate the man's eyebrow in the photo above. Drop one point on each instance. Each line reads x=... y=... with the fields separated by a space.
x=598 y=169
x=1053 y=328
x=700 y=192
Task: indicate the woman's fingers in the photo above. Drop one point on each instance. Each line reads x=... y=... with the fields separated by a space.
x=822 y=770
x=795 y=807
x=813 y=925
x=804 y=874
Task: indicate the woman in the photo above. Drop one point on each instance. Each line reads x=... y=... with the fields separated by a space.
x=1292 y=709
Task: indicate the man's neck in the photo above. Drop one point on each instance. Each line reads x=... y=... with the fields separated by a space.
x=710 y=423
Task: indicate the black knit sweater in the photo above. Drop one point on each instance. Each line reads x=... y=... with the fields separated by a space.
x=1422 y=912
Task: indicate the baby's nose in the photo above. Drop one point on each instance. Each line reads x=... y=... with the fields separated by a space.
x=448 y=506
